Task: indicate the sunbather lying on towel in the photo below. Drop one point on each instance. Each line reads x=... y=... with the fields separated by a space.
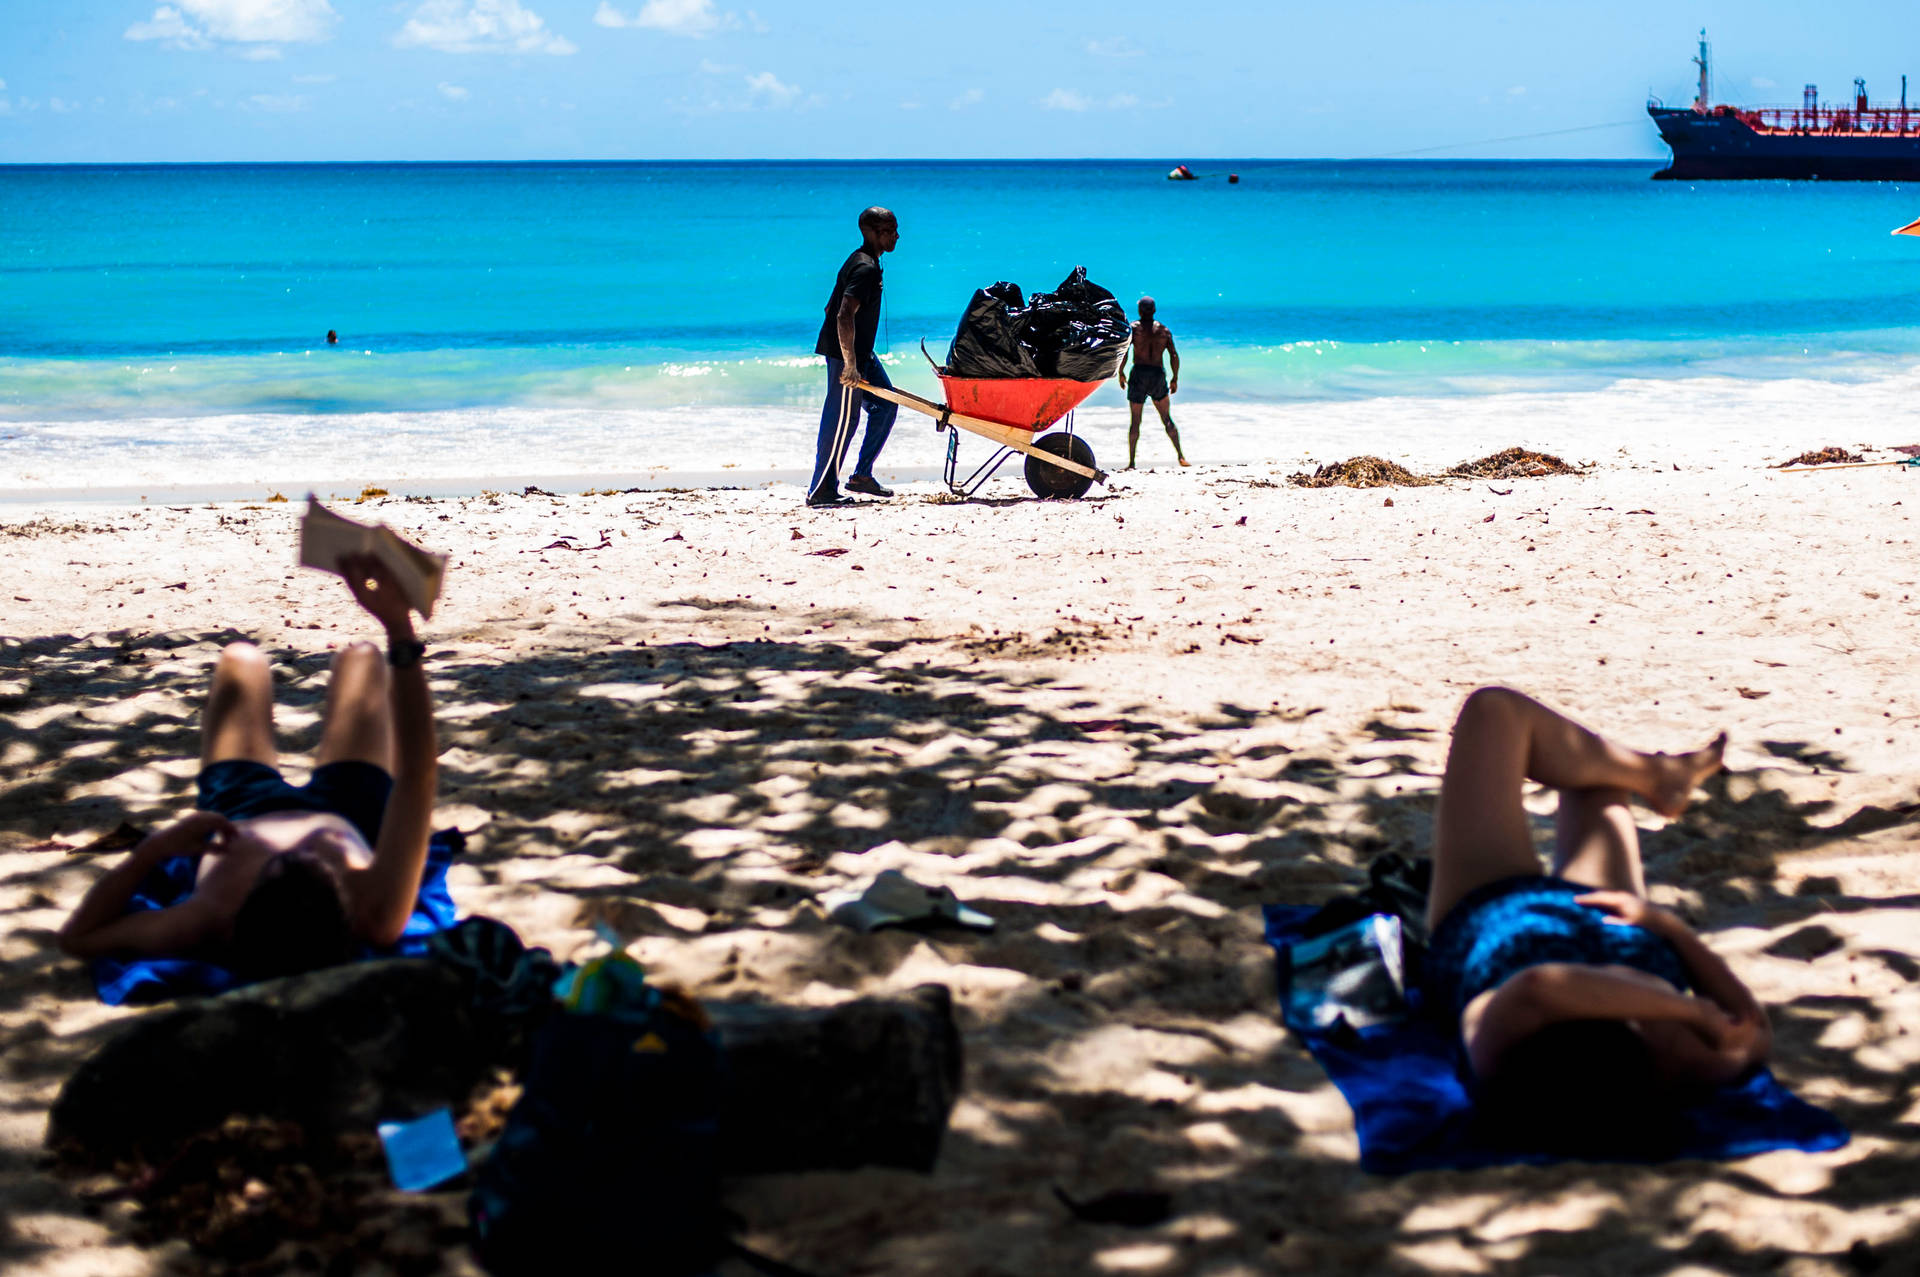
x=292 y=878
x=1581 y=1005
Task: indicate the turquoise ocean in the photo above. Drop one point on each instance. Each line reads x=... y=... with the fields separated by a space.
x=164 y=326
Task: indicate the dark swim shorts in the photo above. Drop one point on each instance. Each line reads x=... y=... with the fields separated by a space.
x=240 y=789
x=1506 y=926
x=1145 y=384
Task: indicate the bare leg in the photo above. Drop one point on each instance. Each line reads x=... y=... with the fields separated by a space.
x=238 y=719
x=1503 y=739
x=1166 y=419
x=359 y=717
x=1595 y=842
x=1133 y=433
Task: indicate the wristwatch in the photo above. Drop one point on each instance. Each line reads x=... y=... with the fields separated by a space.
x=402 y=653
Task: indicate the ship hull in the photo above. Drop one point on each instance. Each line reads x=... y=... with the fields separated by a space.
x=1710 y=147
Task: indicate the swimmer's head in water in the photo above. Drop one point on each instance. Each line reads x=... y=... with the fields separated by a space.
x=1146 y=307
x=1577 y=1088
x=333 y=338
x=295 y=918
x=879 y=227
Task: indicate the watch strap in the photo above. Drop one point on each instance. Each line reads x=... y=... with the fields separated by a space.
x=402 y=653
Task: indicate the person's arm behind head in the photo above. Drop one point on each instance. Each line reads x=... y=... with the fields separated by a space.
x=1532 y=999
x=100 y=923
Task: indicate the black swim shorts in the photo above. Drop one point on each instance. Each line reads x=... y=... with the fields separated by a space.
x=239 y=789
x=1146 y=383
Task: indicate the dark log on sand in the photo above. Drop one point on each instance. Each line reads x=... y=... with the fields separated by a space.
x=869 y=1082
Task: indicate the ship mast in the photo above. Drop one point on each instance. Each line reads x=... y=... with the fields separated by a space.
x=1705 y=99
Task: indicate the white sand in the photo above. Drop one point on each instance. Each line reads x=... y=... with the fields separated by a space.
x=1118 y=726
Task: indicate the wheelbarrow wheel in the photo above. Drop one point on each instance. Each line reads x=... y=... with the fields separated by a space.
x=1050 y=481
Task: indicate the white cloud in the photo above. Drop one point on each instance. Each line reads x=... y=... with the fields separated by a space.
x=264 y=21
x=710 y=67
x=1117 y=47
x=1072 y=100
x=3 y=86
x=170 y=28
x=452 y=92
x=198 y=24
x=766 y=88
x=278 y=103
x=1762 y=82
x=910 y=106
x=328 y=78
x=765 y=91
x=696 y=19
x=59 y=106
x=480 y=26
x=972 y=97
x=261 y=53
x=1517 y=91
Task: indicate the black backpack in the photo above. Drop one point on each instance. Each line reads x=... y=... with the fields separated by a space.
x=612 y=1151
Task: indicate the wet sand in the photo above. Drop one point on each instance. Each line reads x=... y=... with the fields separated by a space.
x=1117 y=726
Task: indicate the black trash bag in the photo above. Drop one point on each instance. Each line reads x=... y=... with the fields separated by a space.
x=1077 y=331
x=987 y=343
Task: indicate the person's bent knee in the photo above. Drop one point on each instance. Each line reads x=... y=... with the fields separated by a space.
x=358 y=652
x=242 y=660
x=1490 y=702
x=361 y=663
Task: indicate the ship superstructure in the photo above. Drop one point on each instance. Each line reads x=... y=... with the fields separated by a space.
x=1860 y=141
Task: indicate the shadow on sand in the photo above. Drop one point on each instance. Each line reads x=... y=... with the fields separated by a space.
x=1120 y=1022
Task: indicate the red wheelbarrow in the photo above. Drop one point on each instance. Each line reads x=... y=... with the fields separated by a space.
x=1010 y=412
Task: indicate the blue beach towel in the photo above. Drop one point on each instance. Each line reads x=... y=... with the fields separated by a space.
x=1412 y=1112
x=144 y=980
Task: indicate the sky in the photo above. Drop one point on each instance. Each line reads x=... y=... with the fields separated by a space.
x=131 y=81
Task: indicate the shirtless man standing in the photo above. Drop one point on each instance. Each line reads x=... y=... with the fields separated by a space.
x=291 y=878
x=1151 y=342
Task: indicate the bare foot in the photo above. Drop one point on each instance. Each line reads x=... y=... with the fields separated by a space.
x=1185 y=462
x=1679 y=774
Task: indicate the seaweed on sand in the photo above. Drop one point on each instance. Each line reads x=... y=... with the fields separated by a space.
x=1830 y=456
x=1361 y=472
x=1512 y=463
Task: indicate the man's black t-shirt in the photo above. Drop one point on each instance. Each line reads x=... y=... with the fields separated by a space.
x=859 y=278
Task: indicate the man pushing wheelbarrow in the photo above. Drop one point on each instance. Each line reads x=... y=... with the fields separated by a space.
x=846 y=340
x=1016 y=367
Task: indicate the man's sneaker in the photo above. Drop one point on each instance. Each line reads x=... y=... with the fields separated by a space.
x=867 y=485
x=830 y=501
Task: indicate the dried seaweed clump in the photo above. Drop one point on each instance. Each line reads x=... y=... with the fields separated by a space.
x=1512 y=463
x=1833 y=456
x=1360 y=472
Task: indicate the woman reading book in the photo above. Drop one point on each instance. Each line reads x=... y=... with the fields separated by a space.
x=1583 y=1010
x=291 y=878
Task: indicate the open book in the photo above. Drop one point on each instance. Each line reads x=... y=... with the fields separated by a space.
x=326 y=537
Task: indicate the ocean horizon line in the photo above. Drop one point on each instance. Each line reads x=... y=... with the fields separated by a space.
x=830 y=161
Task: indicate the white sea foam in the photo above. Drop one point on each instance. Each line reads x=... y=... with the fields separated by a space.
x=1706 y=420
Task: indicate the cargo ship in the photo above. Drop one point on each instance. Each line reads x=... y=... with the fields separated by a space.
x=1861 y=142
